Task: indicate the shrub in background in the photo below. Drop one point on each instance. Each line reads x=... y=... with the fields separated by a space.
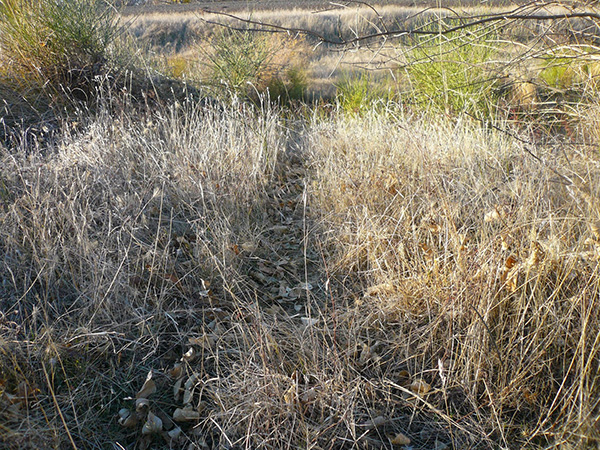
x=55 y=48
x=250 y=63
x=360 y=92
x=238 y=59
x=451 y=73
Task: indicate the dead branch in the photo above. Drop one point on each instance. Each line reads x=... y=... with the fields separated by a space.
x=529 y=13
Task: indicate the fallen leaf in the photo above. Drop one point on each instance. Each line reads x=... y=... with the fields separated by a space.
x=309 y=322
x=504 y=243
x=153 y=424
x=177 y=388
x=148 y=388
x=403 y=378
x=189 y=386
x=127 y=418
x=201 y=341
x=283 y=290
x=175 y=433
x=491 y=216
x=188 y=396
x=304 y=286
x=375 y=422
x=186 y=414
x=176 y=371
x=289 y=397
x=400 y=439
x=428 y=253
x=142 y=404
x=431 y=225
x=419 y=387
x=510 y=262
x=189 y=355
x=536 y=255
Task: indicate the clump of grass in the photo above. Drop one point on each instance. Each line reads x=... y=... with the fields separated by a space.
x=359 y=92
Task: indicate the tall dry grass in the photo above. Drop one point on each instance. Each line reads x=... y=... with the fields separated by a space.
x=452 y=299
x=184 y=273
x=474 y=266
x=110 y=238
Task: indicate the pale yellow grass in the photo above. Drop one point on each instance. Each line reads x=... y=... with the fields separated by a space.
x=477 y=262
x=454 y=296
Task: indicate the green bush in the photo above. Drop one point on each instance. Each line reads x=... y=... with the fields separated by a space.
x=239 y=60
x=359 y=92
x=451 y=73
x=55 y=47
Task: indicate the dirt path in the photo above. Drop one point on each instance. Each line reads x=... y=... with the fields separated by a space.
x=287 y=270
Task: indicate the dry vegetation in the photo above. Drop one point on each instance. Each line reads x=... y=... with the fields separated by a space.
x=187 y=264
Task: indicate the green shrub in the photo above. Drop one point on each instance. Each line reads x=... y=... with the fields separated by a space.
x=55 y=47
x=451 y=73
x=359 y=92
x=238 y=60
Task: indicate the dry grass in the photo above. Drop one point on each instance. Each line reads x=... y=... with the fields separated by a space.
x=481 y=258
x=109 y=237
x=183 y=273
x=453 y=283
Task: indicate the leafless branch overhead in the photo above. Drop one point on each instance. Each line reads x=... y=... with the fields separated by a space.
x=530 y=12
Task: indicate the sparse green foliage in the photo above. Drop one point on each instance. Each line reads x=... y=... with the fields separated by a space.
x=359 y=92
x=55 y=47
x=451 y=73
x=238 y=60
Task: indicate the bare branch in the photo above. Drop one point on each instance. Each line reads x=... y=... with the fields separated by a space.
x=522 y=13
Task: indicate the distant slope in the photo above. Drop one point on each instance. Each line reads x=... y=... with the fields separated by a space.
x=244 y=5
